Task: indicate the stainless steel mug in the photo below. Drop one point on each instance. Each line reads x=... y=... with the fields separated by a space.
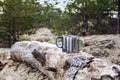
x=68 y=43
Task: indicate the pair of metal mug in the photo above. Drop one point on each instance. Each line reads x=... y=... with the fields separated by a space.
x=69 y=43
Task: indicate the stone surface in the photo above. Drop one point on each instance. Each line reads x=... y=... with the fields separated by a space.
x=73 y=65
x=42 y=35
x=105 y=47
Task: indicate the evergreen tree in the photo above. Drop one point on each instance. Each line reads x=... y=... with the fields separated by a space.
x=17 y=18
x=91 y=15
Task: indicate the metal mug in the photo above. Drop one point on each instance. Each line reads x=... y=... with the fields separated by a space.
x=69 y=43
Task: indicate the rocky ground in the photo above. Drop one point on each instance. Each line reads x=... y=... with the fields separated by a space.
x=103 y=46
x=22 y=71
x=42 y=34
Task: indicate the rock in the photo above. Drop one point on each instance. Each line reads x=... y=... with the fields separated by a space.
x=42 y=35
x=4 y=53
x=101 y=66
x=74 y=66
x=22 y=51
x=17 y=70
x=8 y=78
x=97 y=69
x=2 y=65
x=103 y=46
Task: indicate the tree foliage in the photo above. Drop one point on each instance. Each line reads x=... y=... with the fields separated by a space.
x=91 y=16
x=52 y=17
x=22 y=16
x=17 y=18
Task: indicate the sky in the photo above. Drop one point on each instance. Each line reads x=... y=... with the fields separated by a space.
x=62 y=3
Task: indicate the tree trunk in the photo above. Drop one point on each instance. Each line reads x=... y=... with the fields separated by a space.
x=9 y=42
x=85 y=24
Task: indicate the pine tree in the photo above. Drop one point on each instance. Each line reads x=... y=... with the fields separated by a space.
x=91 y=15
x=17 y=18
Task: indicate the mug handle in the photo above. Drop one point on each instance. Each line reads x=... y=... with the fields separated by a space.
x=57 y=42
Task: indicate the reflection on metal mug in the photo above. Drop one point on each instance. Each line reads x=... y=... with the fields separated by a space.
x=69 y=43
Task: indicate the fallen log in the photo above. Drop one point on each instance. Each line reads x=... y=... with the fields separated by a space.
x=58 y=65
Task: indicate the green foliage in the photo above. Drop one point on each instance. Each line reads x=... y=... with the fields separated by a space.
x=18 y=17
x=90 y=15
x=52 y=17
x=21 y=16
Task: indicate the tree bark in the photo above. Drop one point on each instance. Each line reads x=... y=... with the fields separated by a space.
x=85 y=24
x=9 y=42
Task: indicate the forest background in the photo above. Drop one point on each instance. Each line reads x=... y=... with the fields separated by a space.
x=18 y=17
